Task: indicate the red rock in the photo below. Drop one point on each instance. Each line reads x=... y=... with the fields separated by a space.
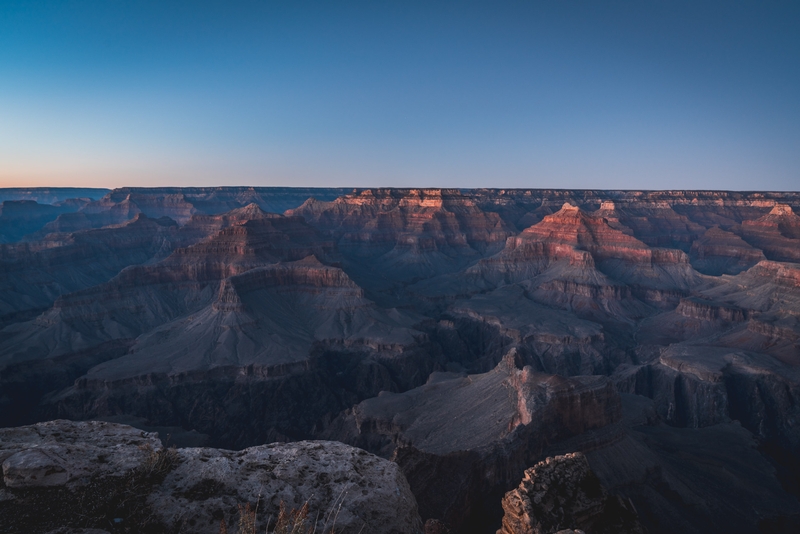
x=777 y=233
x=654 y=222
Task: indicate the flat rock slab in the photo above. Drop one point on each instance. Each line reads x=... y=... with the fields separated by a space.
x=352 y=488
x=339 y=486
x=58 y=453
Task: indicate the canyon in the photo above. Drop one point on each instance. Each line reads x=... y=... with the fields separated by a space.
x=649 y=341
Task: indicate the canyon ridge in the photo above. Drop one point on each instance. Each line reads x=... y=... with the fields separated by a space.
x=434 y=360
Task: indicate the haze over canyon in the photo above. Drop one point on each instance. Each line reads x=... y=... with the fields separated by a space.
x=631 y=358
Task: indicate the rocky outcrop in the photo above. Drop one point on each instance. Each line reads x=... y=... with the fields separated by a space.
x=560 y=494
x=686 y=383
x=580 y=262
x=202 y=226
x=654 y=222
x=144 y=296
x=91 y=325
x=63 y=453
x=344 y=489
x=711 y=311
x=777 y=233
x=389 y=216
x=550 y=341
x=572 y=227
x=463 y=441
x=698 y=386
x=109 y=476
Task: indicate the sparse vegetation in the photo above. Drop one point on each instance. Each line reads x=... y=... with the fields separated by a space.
x=293 y=521
x=247 y=519
x=157 y=464
x=289 y=521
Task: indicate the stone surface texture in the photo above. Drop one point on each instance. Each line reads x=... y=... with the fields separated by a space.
x=345 y=489
x=58 y=453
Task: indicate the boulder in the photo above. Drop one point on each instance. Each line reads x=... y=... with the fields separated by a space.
x=562 y=495
x=344 y=488
x=63 y=453
x=77 y=475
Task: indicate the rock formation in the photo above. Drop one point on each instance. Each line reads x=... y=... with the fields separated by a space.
x=459 y=439
x=114 y=477
x=719 y=252
x=465 y=334
x=562 y=494
x=777 y=233
x=406 y=234
x=51 y=195
x=695 y=480
x=35 y=274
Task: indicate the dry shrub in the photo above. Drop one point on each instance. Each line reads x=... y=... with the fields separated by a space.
x=157 y=463
x=290 y=521
x=293 y=521
x=247 y=519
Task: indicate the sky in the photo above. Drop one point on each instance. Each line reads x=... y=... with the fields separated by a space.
x=644 y=94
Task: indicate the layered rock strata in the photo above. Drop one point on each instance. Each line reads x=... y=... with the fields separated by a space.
x=270 y=334
x=19 y=218
x=463 y=441
x=719 y=252
x=33 y=275
x=777 y=233
x=237 y=326
x=406 y=234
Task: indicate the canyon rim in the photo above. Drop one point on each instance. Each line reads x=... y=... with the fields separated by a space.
x=412 y=356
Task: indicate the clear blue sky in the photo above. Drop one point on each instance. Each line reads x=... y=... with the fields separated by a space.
x=654 y=94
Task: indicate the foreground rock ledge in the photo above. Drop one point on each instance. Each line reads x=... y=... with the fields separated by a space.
x=74 y=470
x=562 y=493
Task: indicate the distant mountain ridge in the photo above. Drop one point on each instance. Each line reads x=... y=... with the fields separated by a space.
x=51 y=195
